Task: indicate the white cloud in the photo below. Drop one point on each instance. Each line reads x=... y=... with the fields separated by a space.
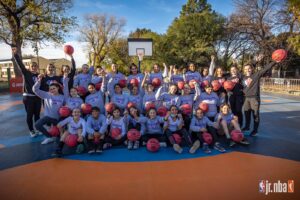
x=51 y=52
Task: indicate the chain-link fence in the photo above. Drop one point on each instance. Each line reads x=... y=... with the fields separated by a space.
x=281 y=85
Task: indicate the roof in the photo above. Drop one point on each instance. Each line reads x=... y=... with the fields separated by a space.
x=24 y=58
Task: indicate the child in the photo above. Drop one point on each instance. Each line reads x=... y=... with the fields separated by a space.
x=174 y=124
x=174 y=74
x=116 y=96
x=134 y=74
x=52 y=102
x=153 y=128
x=201 y=124
x=72 y=100
x=169 y=98
x=228 y=122
x=134 y=121
x=70 y=71
x=136 y=98
x=97 y=77
x=192 y=74
x=95 y=98
x=75 y=126
x=96 y=128
x=158 y=74
x=115 y=121
x=84 y=78
x=207 y=73
x=212 y=99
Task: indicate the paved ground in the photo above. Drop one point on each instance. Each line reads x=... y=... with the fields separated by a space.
x=278 y=139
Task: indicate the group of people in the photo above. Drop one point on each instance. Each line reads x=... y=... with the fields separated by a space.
x=162 y=104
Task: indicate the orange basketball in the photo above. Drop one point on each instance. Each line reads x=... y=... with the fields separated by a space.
x=279 y=55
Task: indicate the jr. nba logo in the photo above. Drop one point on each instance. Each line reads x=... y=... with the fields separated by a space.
x=262 y=186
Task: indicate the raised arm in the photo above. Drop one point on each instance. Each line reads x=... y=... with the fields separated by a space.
x=197 y=91
x=66 y=87
x=73 y=69
x=212 y=66
x=18 y=61
x=165 y=73
x=37 y=91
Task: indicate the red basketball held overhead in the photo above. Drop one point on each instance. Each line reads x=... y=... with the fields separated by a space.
x=68 y=49
x=279 y=55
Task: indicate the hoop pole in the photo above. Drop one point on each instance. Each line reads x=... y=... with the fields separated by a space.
x=139 y=66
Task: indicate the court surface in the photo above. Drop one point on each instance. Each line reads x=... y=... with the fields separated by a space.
x=27 y=171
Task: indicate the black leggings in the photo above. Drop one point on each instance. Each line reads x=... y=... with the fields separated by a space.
x=236 y=104
x=211 y=130
x=182 y=132
x=33 y=106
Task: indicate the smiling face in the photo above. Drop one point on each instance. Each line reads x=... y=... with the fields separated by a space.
x=114 y=68
x=225 y=109
x=150 y=88
x=173 y=89
x=116 y=114
x=50 y=69
x=152 y=113
x=99 y=71
x=174 y=111
x=208 y=90
x=118 y=89
x=219 y=72
x=248 y=70
x=156 y=68
x=233 y=71
x=85 y=68
x=76 y=113
x=205 y=71
x=95 y=114
x=73 y=92
x=91 y=89
x=199 y=113
x=192 y=67
x=135 y=90
x=133 y=70
x=66 y=69
x=34 y=67
x=186 y=89
x=133 y=111
x=53 y=89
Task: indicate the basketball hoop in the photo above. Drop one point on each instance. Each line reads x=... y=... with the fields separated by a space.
x=140 y=53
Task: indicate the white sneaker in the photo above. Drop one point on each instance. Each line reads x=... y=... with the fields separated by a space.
x=38 y=132
x=32 y=134
x=163 y=144
x=48 y=140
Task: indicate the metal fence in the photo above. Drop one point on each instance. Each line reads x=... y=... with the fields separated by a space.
x=281 y=85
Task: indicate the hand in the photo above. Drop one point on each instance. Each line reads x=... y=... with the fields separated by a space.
x=258 y=57
x=40 y=77
x=184 y=70
x=164 y=64
x=147 y=73
x=125 y=113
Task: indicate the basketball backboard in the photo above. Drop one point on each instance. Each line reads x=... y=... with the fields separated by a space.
x=138 y=46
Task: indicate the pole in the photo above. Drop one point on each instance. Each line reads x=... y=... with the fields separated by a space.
x=139 y=66
x=8 y=76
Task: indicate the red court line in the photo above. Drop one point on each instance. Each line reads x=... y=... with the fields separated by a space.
x=228 y=176
x=10 y=104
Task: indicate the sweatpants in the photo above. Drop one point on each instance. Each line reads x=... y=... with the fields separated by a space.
x=32 y=106
x=183 y=133
x=251 y=105
x=236 y=104
x=211 y=130
x=114 y=142
x=39 y=125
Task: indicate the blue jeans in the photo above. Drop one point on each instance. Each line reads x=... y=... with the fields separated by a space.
x=39 y=125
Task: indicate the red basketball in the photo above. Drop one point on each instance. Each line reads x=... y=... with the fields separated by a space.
x=64 y=111
x=237 y=135
x=180 y=85
x=279 y=55
x=215 y=85
x=207 y=138
x=109 y=107
x=133 y=135
x=162 y=111
x=71 y=140
x=186 y=109
x=192 y=83
x=134 y=82
x=98 y=86
x=203 y=106
x=68 y=49
x=177 y=138
x=115 y=132
x=149 y=106
x=153 y=145
x=86 y=108
x=156 y=82
x=131 y=104
x=204 y=83
x=228 y=85
x=54 y=131
x=122 y=83
x=81 y=90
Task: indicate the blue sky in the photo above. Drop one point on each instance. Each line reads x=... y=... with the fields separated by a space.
x=154 y=14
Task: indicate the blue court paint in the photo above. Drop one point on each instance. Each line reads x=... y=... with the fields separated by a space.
x=10 y=142
x=140 y=155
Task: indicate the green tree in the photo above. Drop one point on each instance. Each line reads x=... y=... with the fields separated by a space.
x=191 y=37
x=28 y=21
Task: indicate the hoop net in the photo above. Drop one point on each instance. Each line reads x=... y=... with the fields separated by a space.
x=140 y=54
